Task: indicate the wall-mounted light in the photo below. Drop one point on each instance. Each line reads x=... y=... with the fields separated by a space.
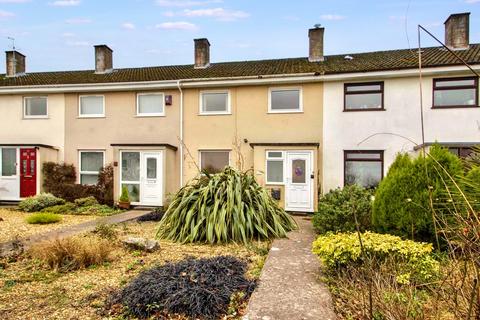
x=168 y=100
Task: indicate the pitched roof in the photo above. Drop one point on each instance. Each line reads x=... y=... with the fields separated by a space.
x=334 y=64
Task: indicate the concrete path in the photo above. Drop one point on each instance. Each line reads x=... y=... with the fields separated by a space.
x=289 y=287
x=72 y=230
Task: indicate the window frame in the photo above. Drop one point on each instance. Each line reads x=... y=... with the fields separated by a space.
x=474 y=86
x=80 y=172
x=300 y=100
x=345 y=159
x=90 y=115
x=281 y=159
x=360 y=84
x=25 y=116
x=156 y=114
x=213 y=150
x=213 y=113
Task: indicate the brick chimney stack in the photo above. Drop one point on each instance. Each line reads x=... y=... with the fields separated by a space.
x=202 y=53
x=315 y=36
x=457 y=31
x=103 y=59
x=15 y=63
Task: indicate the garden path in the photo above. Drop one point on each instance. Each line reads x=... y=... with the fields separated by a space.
x=290 y=287
x=72 y=230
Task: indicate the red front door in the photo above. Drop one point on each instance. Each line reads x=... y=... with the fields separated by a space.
x=28 y=172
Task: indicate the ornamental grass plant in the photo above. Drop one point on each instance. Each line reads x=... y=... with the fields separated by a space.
x=229 y=206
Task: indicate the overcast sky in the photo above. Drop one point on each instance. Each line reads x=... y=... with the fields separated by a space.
x=60 y=34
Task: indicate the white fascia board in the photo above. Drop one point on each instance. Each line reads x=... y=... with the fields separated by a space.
x=230 y=81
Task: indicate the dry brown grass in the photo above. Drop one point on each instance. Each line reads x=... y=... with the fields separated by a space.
x=14 y=224
x=72 y=253
x=31 y=290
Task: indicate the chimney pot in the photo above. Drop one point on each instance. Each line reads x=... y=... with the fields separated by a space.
x=202 y=53
x=315 y=36
x=15 y=63
x=103 y=59
x=457 y=30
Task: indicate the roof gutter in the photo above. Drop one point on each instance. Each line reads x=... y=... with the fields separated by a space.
x=226 y=81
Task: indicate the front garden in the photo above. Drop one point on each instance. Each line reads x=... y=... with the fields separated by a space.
x=200 y=259
x=410 y=248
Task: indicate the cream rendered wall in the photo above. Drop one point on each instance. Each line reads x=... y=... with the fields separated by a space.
x=49 y=131
x=122 y=125
x=346 y=130
x=250 y=121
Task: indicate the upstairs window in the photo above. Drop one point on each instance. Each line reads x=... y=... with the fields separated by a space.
x=35 y=107
x=150 y=104
x=91 y=106
x=91 y=162
x=214 y=161
x=217 y=102
x=363 y=96
x=364 y=168
x=285 y=100
x=455 y=92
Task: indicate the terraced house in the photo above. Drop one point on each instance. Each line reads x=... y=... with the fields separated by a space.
x=303 y=125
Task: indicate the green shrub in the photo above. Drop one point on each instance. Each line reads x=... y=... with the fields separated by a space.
x=124 y=197
x=336 y=210
x=402 y=201
x=228 y=206
x=39 y=202
x=43 y=218
x=67 y=208
x=97 y=209
x=85 y=202
x=413 y=259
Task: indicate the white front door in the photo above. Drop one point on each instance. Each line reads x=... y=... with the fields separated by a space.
x=151 y=179
x=299 y=182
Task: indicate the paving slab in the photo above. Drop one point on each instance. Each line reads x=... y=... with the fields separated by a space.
x=290 y=286
x=72 y=230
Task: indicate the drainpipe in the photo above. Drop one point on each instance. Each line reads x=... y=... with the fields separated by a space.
x=181 y=131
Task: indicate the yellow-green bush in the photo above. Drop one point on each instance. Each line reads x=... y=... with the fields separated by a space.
x=413 y=260
x=43 y=218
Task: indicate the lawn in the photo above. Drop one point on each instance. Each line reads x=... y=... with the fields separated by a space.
x=30 y=290
x=14 y=224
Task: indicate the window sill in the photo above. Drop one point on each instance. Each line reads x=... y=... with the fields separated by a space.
x=36 y=118
x=454 y=107
x=273 y=184
x=149 y=115
x=284 y=111
x=215 y=114
x=91 y=117
x=361 y=110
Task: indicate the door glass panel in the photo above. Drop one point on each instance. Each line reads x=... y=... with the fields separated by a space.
x=131 y=166
x=133 y=191
x=9 y=157
x=151 y=168
x=24 y=167
x=298 y=171
x=32 y=166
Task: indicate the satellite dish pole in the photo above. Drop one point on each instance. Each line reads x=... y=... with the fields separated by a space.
x=14 y=67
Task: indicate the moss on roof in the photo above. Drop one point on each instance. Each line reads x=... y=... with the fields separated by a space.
x=334 y=64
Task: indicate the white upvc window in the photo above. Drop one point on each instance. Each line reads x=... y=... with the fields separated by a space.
x=35 y=107
x=150 y=104
x=8 y=162
x=215 y=102
x=91 y=106
x=275 y=167
x=214 y=161
x=285 y=100
x=90 y=163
